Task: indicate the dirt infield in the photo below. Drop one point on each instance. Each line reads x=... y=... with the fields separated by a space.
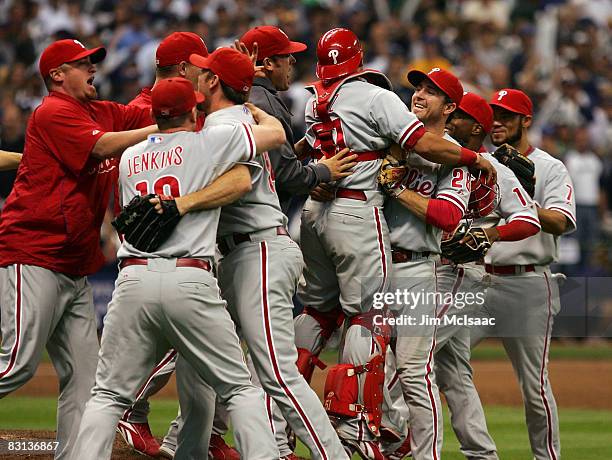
x=578 y=384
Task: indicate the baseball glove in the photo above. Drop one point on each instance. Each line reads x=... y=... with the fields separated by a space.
x=522 y=167
x=473 y=249
x=391 y=175
x=142 y=226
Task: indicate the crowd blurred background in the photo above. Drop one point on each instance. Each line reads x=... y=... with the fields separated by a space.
x=559 y=52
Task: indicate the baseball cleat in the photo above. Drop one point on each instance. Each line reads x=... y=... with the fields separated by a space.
x=138 y=436
x=219 y=450
x=367 y=450
x=165 y=451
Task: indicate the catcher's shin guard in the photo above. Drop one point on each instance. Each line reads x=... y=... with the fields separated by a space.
x=342 y=384
x=329 y=321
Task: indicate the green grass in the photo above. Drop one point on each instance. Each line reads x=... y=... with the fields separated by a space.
x=585 y=434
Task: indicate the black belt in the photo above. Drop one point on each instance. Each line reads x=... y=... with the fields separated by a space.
x=239 y=238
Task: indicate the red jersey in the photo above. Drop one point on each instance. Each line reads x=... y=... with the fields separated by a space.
x=52 y=217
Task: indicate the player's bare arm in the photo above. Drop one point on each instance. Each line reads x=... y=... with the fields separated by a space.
x=226 y=189
x=9 y=160
x=439 y=150
x=414 y=202
x=112 y=144
x=553 y=222
x=268 y=132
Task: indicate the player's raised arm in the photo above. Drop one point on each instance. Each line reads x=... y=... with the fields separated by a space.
x=9 y=160
x=268 y=132
x=114 y=143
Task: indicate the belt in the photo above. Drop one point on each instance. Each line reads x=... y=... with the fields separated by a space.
x=182 y=262
x=351 y=194
x=239 y=238
x=370 y=155
x=399 y=255
x=445 y=261
x=509 y=269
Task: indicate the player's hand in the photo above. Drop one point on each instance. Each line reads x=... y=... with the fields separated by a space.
x=340 y=164
x=323 y=193
x=482 y=164
x=397 y=152
x=239 y=46
x=258 y=114
x=160 y=210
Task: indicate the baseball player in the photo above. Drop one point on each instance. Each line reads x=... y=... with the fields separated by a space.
x=50 y=229
x=345 y=242
x=172 y=60
x=470 y=124
x=260 y=268
x=432 y=198
x=522 y=296
x=275 y=55
x=170 y=298
x=9 y=160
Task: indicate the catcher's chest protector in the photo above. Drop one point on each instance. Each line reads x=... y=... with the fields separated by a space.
x=327 y=129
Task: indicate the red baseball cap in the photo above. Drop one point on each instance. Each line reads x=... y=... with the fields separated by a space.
x=63 y=51
x=477 y=108
x=513 y=100
x=233 y=68
x=177 y=47
x=443 y=79
x=174 y=96
x=270 y=42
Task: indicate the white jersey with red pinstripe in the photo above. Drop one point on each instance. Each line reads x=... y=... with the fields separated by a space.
x=555 y=191
x=431 y=180
x=177 y=164
x=366 y=118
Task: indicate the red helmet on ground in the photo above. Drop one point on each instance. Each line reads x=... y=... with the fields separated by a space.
x=339 y=54
x=483 y=197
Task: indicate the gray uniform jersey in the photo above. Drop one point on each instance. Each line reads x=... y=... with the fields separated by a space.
x=180 y=163
x=431 y=180
x=370 y=118
x=554 y=190
x=259 y=209
x=513 y=203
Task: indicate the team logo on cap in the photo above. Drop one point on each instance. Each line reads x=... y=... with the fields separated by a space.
x=79 y=43
x=334 y=55
x=501 y=94
x=435 y=69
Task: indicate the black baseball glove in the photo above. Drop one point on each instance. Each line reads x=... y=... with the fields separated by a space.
x=522 y=167
x=142 y=226
x=474 y=248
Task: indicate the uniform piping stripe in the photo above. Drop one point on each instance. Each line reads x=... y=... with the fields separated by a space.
x=566 y=212
x=381 y=246
x=393 y=381
x=247 y=128
x=531 y=220
x=432 y=400
x=269 y=413
x=18 y=321
x=409 y=131
x=549 y=435
x=169 y=357
x=272 y=352
x=458 y=281
x=453 y=199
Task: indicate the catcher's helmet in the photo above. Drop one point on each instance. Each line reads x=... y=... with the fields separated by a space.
x=483 y=197
x=339 y=54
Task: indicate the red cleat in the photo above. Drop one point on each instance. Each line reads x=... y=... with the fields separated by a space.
x=219 y=450
x=292 y=456
x=403 y=451
x=367 y=450
x=138 y=436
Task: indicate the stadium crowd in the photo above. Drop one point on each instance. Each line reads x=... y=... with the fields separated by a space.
x=559 y=52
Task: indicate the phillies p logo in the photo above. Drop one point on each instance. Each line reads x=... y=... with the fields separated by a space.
x=334 y=55
x=501 y=94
